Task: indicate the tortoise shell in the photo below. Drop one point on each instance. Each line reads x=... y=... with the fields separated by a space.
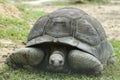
x=73 y=27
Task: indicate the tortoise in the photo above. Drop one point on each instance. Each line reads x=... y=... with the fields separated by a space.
x=66 y=39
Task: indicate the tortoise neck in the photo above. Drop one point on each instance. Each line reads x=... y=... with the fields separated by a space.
x=58 y=49
x=59 y=52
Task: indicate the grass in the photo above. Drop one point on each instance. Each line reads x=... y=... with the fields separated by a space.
x=17 y=29
x=21 y=7
x=32 y=15
x=13 y=28
x=57 y=3
x=29 y=14
x=116 y=45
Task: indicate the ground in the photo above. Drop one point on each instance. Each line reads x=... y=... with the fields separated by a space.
x=9 y=10
x=108 y=15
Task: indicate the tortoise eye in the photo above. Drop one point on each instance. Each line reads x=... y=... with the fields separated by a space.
x=60 y=61
x=52 y=61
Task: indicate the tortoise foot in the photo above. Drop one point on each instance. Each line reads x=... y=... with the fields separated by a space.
x=25 y=56
x=82 y=61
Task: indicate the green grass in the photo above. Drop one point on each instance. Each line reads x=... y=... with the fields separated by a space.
x=116 y=45
x=32 y=15
x=57 y=3
x=13 y=28
x=18 y=29
x=29 y=14
x=21 y=7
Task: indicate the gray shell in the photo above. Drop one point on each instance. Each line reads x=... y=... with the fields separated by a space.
x=73 y=27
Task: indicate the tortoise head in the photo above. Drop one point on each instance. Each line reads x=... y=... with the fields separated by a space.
x=56 y=59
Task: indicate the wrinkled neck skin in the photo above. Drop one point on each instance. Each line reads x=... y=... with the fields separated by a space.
x=59 y=51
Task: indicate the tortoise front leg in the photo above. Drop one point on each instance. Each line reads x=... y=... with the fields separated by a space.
x=25 y=56
x=82 y=61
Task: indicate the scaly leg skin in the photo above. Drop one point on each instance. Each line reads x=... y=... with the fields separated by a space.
x=81 y=60
x=25 y=56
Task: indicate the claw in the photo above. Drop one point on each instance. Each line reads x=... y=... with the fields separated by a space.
x=12 y=64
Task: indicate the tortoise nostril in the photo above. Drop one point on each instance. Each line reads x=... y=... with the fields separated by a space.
x=60 y=62
x=52 y=61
